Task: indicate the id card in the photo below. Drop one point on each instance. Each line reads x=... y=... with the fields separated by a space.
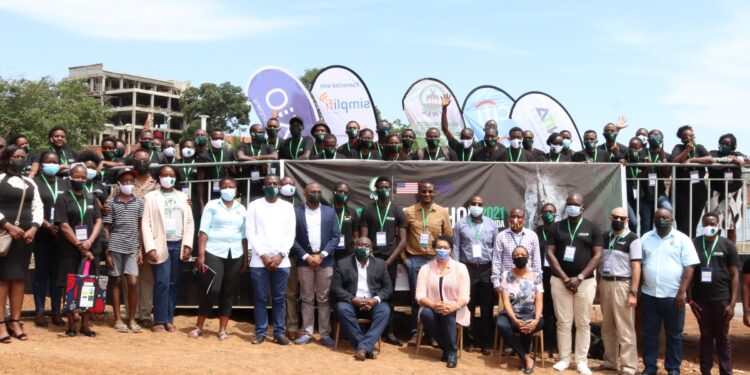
x=607 y=267
x=82 y=233
x=88 y=292
x=424 y=239
x=652 y=179
x=52 y=215
x=215 y=187
x=380 y=239
x=570 y=253
x=694 y=177
x=341 y=242
x=273 y=170
x=255 y=176
x=635 y=193
x=728 y=176
x=171 y=226
x=706 y=275
x=476 y=250
x=186 y=191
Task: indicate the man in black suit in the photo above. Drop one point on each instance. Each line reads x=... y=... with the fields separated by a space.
x=361 y=288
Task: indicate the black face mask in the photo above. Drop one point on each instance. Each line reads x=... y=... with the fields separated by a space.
x=296 y=131
x=17 y=165
x=77 y=184
x=433 y=142
x=330 y=152
x=313 y=198
x=618 y=225
x=148 y=145
x=520 y=262
x=141 y=165
x=407 y=142
x=272 y=132
x=120 y=152
x=109 y=155
x=662 y=225
x=654 y=141
x=201 y=140
x=610 y=137
x=393 y=149
x=528 y=143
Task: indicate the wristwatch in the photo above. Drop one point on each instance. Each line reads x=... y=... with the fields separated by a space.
x=580 y=277
x=634 y=293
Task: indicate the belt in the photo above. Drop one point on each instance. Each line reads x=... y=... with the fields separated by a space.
x=615 y=278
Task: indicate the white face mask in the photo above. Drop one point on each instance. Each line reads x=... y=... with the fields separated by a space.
x=467 y=143
x=515 y=143
x=557 y=148
x=476 y=211
x=644 y=139
x=217 y=143
x=710 y=231
x=126 y=189
x=168 y=152
x=166 y=182
x=287 y=190
x=188 y=152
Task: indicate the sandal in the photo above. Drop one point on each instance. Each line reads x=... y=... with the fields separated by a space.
x=223 y=335
x=121 y=327
x=135 y=328
x=158 y=328
x=22 y=337
x=5 y=339
x=195 y=333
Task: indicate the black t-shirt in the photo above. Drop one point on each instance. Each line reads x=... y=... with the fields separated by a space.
x=598 y=157
x=215 y=172
x=65 y=154
x=724 y=256
x=462 y=153
x=337 y=156
x=746 y=267
x=544 y=238
x=250 y=149
x=98 y=189
x=155 y=157
x=556 y=159
x=485 y=154
x=662 y=173
x=443 y=153
x=510 y=155
x=345 y=149
x=684 y=172
x=357 y=155
x=47 y=187
x=348 y=225
x=719 y=174
x=634 y=188
x=622 y=151
x=67 y=211
x=292 y=149
x=586 y=238
x=392 y=220
x=538 y=154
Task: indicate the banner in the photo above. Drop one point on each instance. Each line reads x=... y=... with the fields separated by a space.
x=272 y=88
x=423 y=106
x=486 y=103
x=503 y=186
x=542 y=114
x=342 y=97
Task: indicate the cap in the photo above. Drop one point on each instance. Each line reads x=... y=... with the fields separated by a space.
x=125 y=171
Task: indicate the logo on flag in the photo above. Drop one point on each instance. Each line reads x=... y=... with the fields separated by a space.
x=407 y=187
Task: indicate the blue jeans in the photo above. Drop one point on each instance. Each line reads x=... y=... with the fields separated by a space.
x=45 y=274
x=413 y=264
x=654 y=311
x=440 y=327
x=348 y=315
x=166 y=277
x=262 y=280
x=521 y=344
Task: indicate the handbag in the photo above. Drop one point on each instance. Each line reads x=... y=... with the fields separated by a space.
x=84 y=292
x=6 y=240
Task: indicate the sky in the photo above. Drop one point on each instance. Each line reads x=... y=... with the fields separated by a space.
x=662 y=64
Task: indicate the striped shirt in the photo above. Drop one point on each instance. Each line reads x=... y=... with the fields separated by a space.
x=125 y=228
x=502 y=257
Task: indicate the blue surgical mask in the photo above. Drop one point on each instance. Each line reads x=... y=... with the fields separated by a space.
x=476 y=211
x=442 y=253
x=50 y=169
x=573 y=211
x=566 y=143
x=90 y=174
x=228 y=194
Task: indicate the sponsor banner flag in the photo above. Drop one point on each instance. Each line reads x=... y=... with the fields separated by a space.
x=486 y=103
x=273 y=88
x=544 y=115
x=342 y=97
x=423 y=106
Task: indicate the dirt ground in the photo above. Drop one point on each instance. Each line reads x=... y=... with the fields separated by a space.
x=48 y=351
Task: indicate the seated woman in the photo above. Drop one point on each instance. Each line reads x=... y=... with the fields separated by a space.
x=521 y=294
x=443 y=292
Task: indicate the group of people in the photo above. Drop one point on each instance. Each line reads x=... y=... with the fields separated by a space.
x=142 y=215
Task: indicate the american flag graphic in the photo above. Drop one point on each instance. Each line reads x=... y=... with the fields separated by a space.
x=407 y=187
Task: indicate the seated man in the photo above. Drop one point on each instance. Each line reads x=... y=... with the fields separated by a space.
x=361 y=286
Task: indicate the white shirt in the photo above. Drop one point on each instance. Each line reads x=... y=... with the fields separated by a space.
x=363 y=290
x=312 y=217
x=270 y=230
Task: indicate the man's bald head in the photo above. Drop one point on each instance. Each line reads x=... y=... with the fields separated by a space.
x=619 y=211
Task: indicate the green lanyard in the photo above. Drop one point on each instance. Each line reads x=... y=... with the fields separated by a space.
x=463 y=154
x=63 y=158
x=436 y=153
x=424 y=218
x=649 y=156
x=573 y=234
x=544 y=234
x=252 y=150
x=476 y=229
x=315 y=149
x=325 y=157
x=53 y=192
x=169 y=201
x=596 y=153
x=341 y=219
x=348 y=147
x=510 y=156
x=634 y=171
x=384 y=217
x=558 y=158
x=369 y=156
x=612 y=243
x=188 y=170
x=296 y=153
x=276 y=144
x=711 y=255
x=380 y=151
x=221 y=160
x=81 y=211
x=89 y=186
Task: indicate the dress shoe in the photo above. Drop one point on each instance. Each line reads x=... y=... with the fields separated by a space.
x=372 y=355
x=451 y=360
x=259 y=340
x=57 y=319
x=282 y=340
x=360 y=355
x=444 y=357
x=413 y=340
x=392 y=339
x=40 y=321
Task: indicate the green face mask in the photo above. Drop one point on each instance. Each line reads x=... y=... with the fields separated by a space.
x=272 y=132
x=528 y=143
x=490 y=142
x=271 y=191
x=393 y=149
x=365 y=143
x=610 y=137
x=433 y=142
x=548 y=217
x=320 y=137
x=383 y=193
x=109 y=155
x=407 y=142
x=590 y=145
x=340 y=198
x=724 y=149
x=201 y=140
x=259 y=137
x=362 y=253
x=352 y=133
x=148 y=145
x=120 y=152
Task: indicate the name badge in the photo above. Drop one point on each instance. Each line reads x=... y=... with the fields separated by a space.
x=728 y=176
x=380 y=239
x=82 y=232
x=694 y=177
x=424 y=239
x=52 y=215
x=273 y=170
x=88 y=292
x=186 y=191
x=705 y=275
x=255 y=176
x=476 y=250
x=607 y=267
x=570 y=253
x=635 y=193
x=171 y=226
x=652 y=179
x=341 y=242
x=216 y=187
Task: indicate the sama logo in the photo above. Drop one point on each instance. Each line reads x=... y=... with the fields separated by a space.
x=342 y=106
x=431 y=100
x=548 y=123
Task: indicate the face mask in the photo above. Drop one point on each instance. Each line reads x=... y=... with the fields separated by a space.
x=383 y=193
x=515 y=143
x=108 y=155
x=271 y=191
x=217 y=143
x=361 y=253
x=724 y=149
x=643 y=139
x=148 y=145
x=365 y=144
x=633 y=155
x=272 y=132
x=566 y=144
x=188 y=152
x=516 y=223
x=548 y=217
x=393 y=149
x=228 y=194
x=169 y=152
x=126 y=189
x=467 y=143
x=330 y=152
x=287 y=190
x=313 y=198
x=433 y=142
x=382 y=132
x=166 y=182
x=141 y=166
x=590 y=145
x=528 y=143
x=654 y=141
x=157 y=148
x=520 y=262
x=352 y=133
x=340 y=198
x=442 y=253
x=617 y=225
x=320 y=137
x=77 y=184
x=407 y=142
x=573 y=211
x=710 y=231
x=556 y=148
x=490 y=143
x=120 y=152
x=50 y=169
x=90 y=174
x=610 y=137
x=201 y=140
x=476 y=211
x=259 y=137
x=662 y=224
x=296 y=131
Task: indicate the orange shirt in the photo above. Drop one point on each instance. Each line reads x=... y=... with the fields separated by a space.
x=438 y=222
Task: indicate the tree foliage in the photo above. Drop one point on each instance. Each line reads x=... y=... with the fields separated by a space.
x=308 y=76
x=32 y=107
x=225 y=105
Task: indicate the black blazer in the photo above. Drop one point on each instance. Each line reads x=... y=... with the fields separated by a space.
x=344 y=283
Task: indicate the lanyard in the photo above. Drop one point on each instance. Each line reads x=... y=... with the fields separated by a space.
x=544 y=234
x=709 y=255
x=334 y=155
x=221 y=160
x=424 y=218
x=315 y=149
x=558 y=158
x=649 y=156
x=89 y=186
x=612 y=243
x=634 y=171
x=437 y=152
x=510 y=156
x=53 y=192
x=573 y=234
x=596 y=153
x=384 y=217
x=348 y=148
x=477 y=230
x=169 y=201
x=81 y=211
x=513 y=236
x=188 y=170
x=296 y=153
x=369 y=155
x=341 y=218
x=463 y=154
x=252 y=150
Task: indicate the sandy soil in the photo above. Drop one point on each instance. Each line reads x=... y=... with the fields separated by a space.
x=49 y=351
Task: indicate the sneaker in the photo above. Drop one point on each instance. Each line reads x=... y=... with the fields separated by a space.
x=302 y=340
x=328 y=342
x=561 y=366
x=583 y=368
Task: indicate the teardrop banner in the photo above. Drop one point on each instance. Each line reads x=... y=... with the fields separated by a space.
x=544 y=115
x=423 y=106
x=486 y=103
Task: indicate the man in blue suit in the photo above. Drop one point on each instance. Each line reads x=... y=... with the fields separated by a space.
x=317 y=236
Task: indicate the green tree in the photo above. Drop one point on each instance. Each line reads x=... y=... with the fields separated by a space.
x=33 y=107
x=225 y=105
x=308 y=76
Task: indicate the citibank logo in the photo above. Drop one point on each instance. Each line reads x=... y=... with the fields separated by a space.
x=342 y=106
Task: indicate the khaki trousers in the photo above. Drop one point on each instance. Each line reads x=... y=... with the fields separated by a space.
x=315 y=285
x=571 y=307
x=145 y=292
x=618 y=326
x=292 y=316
